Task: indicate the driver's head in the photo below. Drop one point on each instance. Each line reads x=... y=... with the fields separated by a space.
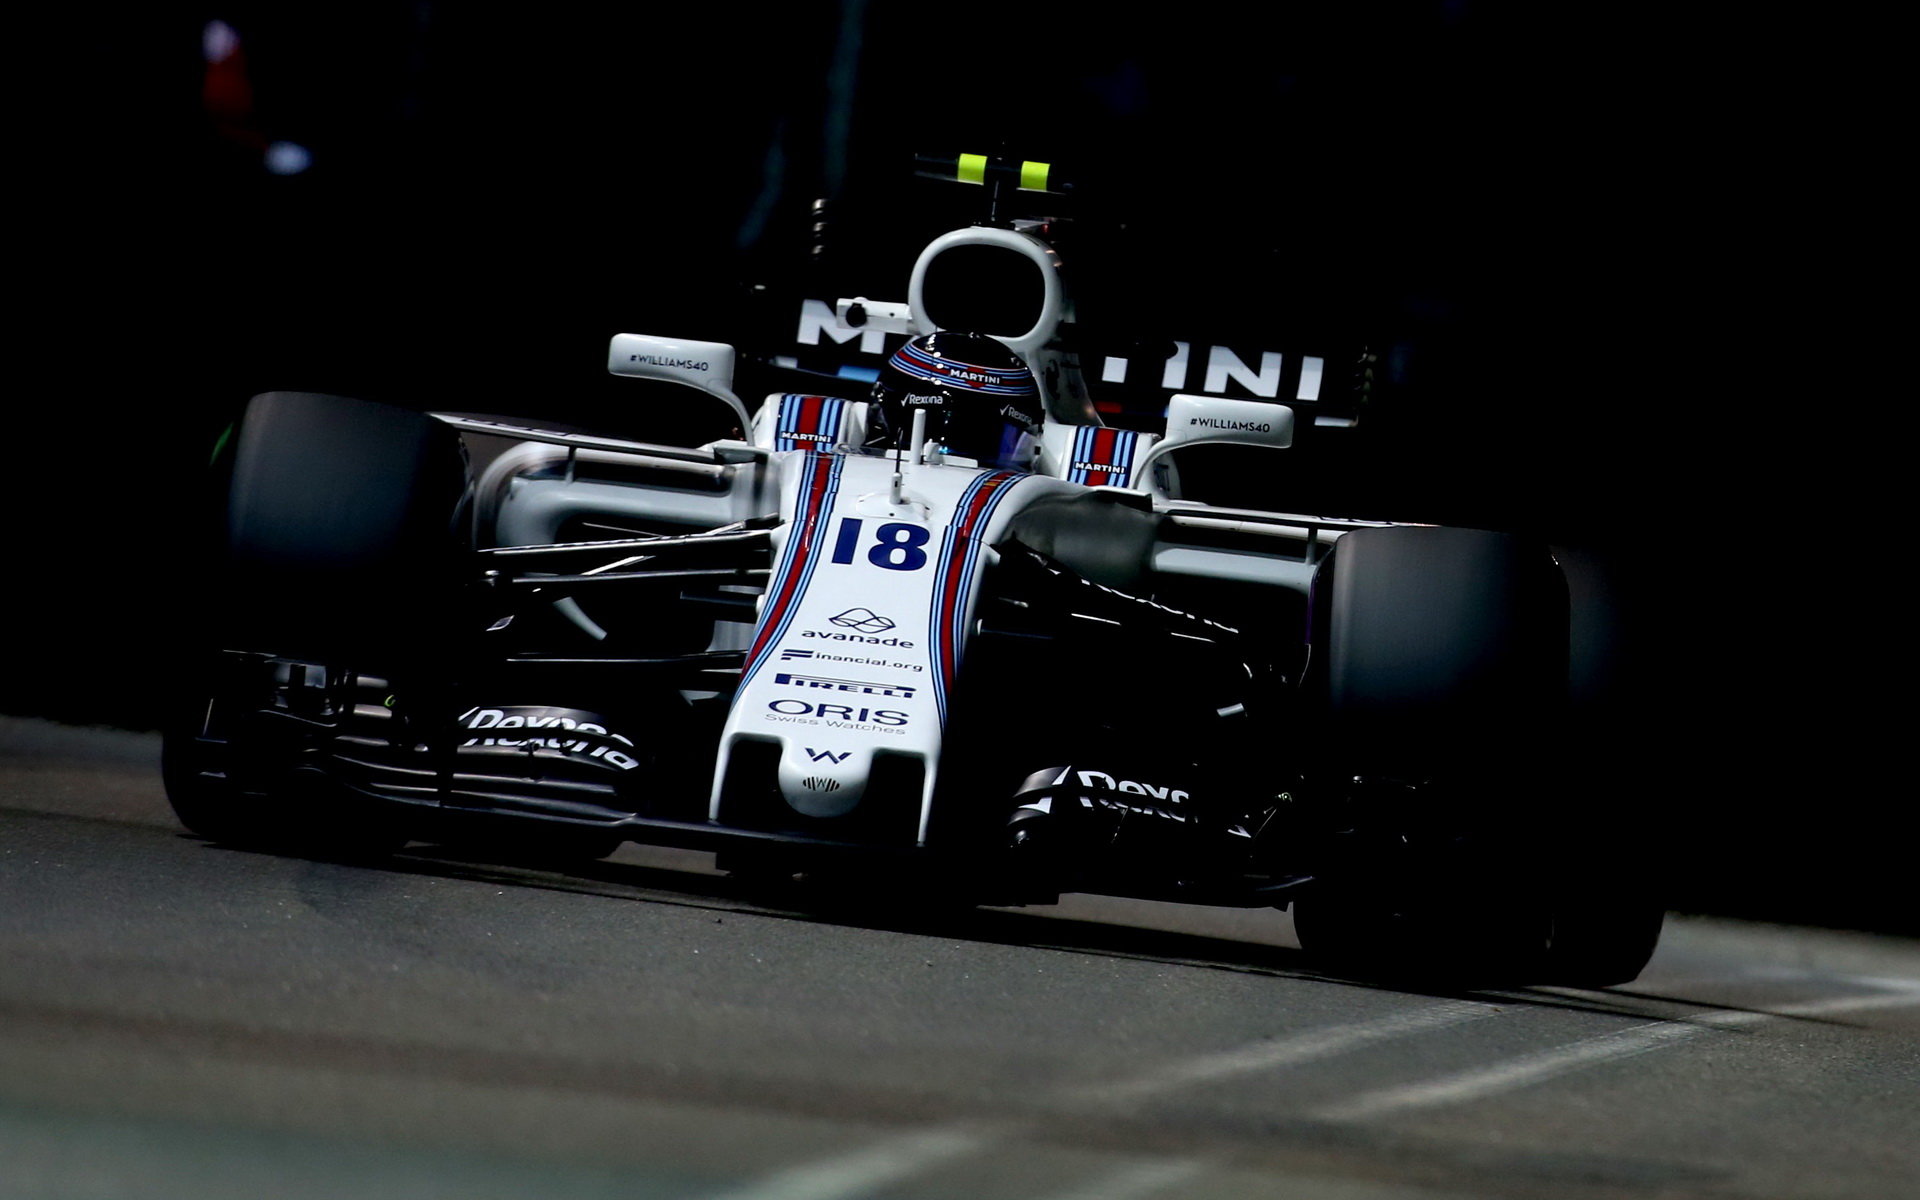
x=980 y=399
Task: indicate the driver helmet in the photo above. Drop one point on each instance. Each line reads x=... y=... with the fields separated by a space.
x=981 y=401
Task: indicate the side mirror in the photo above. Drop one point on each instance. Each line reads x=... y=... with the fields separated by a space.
x=707 y=366
x=1193 y=420
x=1241 y=422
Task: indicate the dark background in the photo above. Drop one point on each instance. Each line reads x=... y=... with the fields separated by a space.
x=1565 y=235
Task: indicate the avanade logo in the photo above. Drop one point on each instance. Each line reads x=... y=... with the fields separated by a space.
x=863 y=619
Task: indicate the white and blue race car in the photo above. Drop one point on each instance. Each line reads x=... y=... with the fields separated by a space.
x=935 y=621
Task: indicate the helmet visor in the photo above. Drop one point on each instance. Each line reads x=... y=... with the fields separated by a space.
x=986 y=433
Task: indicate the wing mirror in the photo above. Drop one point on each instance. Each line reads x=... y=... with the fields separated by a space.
x=1194 y=420
x=707 y=366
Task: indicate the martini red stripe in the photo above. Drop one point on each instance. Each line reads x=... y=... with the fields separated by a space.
x=956 y=567
x=1103 y=452
x=814 y=490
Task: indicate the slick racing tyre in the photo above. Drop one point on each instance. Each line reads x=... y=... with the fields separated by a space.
x=1448 y=916
x=334 y=550
x=1438 y=653
x=338 y=527
x=1438 y=672
x=1600 y=934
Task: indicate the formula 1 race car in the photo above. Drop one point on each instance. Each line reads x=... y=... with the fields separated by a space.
x=931 y=620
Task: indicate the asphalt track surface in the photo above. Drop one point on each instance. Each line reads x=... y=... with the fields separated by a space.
x=182 y=1019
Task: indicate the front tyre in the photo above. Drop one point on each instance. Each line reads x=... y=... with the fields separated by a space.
x=1438 y=668
x=1601 y=936
x=1438 y=654
x=332 y=552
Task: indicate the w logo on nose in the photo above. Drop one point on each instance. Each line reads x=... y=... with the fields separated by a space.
x=826 y=755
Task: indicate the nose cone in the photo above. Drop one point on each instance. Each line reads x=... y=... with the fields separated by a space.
x=822 y=781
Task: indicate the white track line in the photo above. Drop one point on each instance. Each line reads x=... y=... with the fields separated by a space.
x=862 y=1171
x=1304 y=1047
x=1626 y=1043
x=1885 y=983
x=1132 y=1183
x=892 y=1159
